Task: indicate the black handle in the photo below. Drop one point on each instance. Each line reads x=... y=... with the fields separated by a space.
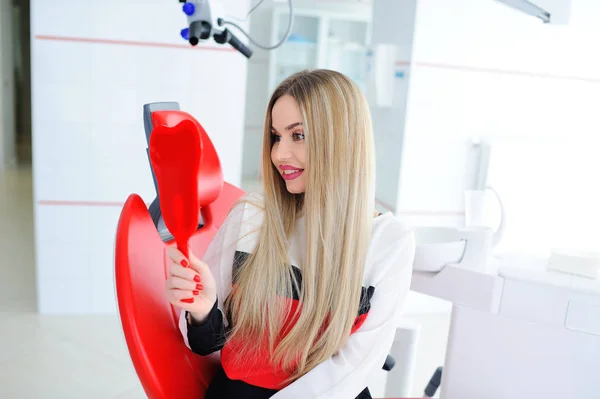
x=434 y=383
x=389 y=363
x=227 y=37
x=239 y=46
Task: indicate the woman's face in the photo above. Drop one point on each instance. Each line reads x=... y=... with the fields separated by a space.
x=288 y=150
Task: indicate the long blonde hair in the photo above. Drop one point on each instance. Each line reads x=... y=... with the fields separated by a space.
x=337 y=207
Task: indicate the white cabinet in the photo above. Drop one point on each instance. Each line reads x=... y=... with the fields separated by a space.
x=319 y=39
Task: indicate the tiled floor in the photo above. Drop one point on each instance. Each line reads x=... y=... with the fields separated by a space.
x=49 y=356
x=63 y=357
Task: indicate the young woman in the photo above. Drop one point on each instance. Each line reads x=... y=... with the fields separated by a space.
x=301 y=287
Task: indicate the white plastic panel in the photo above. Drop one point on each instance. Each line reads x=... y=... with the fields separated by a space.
x=584 y=316
x=533 y=302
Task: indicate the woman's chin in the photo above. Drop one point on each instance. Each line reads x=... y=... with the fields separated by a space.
x=294 y=188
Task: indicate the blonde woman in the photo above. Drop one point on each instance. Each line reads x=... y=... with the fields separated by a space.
x=301 y=287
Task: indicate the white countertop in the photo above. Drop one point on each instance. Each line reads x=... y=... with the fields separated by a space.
x=533 y=269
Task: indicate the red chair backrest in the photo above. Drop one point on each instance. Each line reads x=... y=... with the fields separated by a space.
x=165 y=366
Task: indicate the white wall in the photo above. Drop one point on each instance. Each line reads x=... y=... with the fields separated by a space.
x=94 y=65
x=533 y=90
x=479 y=68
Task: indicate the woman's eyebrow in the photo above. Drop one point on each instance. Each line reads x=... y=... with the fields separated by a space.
x=290 y=127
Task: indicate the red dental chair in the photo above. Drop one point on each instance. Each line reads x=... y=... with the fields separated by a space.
x=165 y=366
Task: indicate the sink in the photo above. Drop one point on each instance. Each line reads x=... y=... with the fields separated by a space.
x=437 y=247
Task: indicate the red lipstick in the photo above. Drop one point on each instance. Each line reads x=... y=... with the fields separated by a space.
x=289 y=172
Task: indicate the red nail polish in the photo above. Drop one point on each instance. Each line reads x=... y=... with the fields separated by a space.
x=197 y=279
x=196 y=292
x=188 y=300
x=184 y=263
x=198 y=286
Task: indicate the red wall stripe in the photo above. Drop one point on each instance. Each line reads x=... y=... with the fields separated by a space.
x=133 y=43
x=117 y=204
x=425 y=213
x=498 y=71
x=433 y=65
x=101 y=204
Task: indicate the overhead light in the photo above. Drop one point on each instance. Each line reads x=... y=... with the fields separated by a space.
x=528 y=8
x=549 y=11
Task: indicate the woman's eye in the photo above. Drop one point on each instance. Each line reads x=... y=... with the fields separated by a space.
x=298 y=136
x=274 y=138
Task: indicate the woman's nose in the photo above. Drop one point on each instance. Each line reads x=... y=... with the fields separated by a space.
x=283 y=151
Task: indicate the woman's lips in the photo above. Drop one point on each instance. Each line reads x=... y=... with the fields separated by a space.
x=291 y=174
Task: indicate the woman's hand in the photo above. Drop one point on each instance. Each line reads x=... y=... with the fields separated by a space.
x=190 y=284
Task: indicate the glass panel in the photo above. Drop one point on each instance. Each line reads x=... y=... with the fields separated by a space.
x=346 y=48
x=300 y=51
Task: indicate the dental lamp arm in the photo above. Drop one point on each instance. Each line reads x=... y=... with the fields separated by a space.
x=206 y=19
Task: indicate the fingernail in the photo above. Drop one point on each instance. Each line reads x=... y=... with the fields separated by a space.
x=196 y=292
x=188 y=300
x=184 y=263
x=198 y=286
x=197 y=279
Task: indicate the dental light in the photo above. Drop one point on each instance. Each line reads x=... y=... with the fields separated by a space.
x=206 y=19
